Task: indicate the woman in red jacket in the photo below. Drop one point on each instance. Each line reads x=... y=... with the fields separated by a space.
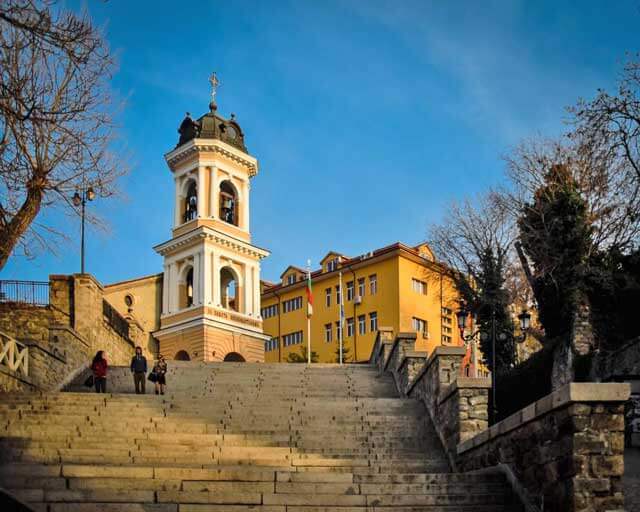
x=99 y=368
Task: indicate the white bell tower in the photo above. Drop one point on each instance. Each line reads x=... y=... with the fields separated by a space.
x=211 y=287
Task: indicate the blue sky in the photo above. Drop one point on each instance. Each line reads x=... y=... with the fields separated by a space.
x=367 y=117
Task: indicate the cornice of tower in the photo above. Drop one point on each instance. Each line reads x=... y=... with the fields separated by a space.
x=198 y=146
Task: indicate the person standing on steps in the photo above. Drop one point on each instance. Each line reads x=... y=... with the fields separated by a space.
x=99 y=368
x=160 y=371
x=139 y=370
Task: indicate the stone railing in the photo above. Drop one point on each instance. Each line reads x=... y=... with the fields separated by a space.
x=14 y=355
x=562 y=453
x=456 y=405
x=566 y=450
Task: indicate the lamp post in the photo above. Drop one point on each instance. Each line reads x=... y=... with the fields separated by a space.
x=78 y=199
x=525 y=319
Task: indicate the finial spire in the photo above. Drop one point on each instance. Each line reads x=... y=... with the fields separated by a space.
x=215 y=83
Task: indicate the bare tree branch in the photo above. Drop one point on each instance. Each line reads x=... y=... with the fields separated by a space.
x=56 y=124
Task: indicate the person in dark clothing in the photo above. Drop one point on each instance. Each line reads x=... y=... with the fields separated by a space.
x=99 y=368
x=139 y=371
x=160 y=370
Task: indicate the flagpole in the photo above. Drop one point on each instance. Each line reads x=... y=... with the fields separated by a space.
x=341 y=313
x=308 y=314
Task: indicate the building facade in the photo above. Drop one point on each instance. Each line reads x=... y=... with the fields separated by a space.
x=397 y=286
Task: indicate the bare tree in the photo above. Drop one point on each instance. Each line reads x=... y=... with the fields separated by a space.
x=601 y=177
x=611 y=122
x=469 y=230
x=56 y=125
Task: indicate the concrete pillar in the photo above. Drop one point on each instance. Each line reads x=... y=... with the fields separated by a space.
x=197 y=279
x=215 y=269
x=177 y=220
x=201 y=192
x=172 y=288
x=245 y=206
x=206 y=277
x=165 y=290
x=213 y=192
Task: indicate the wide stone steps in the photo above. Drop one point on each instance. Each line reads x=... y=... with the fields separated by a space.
x=235 y=437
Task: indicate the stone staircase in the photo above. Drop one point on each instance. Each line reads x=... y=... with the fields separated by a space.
x=235 y=437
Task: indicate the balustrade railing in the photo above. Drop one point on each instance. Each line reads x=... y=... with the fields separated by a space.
x=27 y=292
x=115 y=319
x=14 y=355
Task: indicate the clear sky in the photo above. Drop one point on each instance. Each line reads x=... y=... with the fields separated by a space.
x=367 y=117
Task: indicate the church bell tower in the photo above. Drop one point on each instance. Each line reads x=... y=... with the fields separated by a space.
x=211 y=286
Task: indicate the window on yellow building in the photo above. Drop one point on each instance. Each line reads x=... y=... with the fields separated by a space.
x=291 y=304
x=446 y=339
x=291 y=278
x=338 y=294
x=327 y=297
x=420 y=326
x=269 y=311
x=350 y=325
x=446 y=330
x=361 y=287
x=350 y=290
x=271 y=345
x=373 y=321
x=328 y=333
x=373 y=284
x=338 y=330
x=362 y=324
x=419 y=286
x=293 y=338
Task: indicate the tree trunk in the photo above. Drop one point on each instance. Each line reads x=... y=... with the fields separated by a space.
x=11 y=233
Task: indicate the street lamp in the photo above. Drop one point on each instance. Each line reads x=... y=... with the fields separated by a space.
x=525 y=320
x=78 y=199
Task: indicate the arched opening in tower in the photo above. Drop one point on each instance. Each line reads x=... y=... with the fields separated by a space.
x=186 y=290
x=228 y=203
x=229 y=289
x=191 y=202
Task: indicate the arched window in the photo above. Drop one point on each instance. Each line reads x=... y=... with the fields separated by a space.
x=189 y=288
x=229 y=289
x=228 y=203
x=182 y=355
x=191 y=202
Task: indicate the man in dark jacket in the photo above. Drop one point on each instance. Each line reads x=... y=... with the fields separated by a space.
x=139 y=370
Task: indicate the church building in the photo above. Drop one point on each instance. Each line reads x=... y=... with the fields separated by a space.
x=206 y=303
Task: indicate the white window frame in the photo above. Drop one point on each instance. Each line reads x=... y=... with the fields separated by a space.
x=328 y=333
x=327 y=297
x=373 y=321
x=362 y=324
x=350 y=290
x=350 y=326
x=373 y=284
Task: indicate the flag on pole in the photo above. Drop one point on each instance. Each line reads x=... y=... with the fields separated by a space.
x=341 y=331
x=309 y=294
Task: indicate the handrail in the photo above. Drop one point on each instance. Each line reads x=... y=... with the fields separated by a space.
x=27 y=292
x=14 y=355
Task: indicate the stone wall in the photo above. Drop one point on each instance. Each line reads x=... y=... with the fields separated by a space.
x=457 y=406
x=567 y=449
x=623 y=365
x=64 y=336
x=565 y=452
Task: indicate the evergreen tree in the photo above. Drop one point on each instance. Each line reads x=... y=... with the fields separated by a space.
x=346 y=356
x=556 y=236
x=293 y=357
x=492 y=303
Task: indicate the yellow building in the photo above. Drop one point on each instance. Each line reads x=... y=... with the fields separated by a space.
x=397 y=286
